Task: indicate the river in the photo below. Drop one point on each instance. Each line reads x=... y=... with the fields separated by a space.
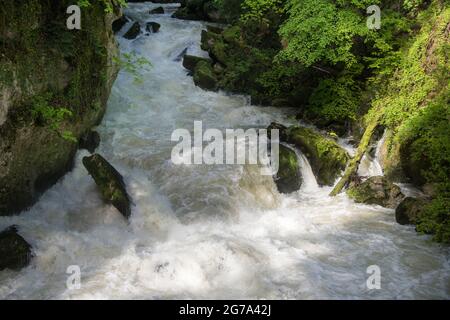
x=208 y=232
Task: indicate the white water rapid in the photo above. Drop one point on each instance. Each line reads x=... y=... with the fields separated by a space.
x=207 y=231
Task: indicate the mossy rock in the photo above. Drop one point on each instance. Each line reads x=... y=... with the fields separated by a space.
x=377 y=191
x=288 y=178
x=232 y=35
x=410 y=210
x=15 y=252
x=204 y=76
x=133 y=32
x=326 y=157
x=110 y=183
x=190 y=62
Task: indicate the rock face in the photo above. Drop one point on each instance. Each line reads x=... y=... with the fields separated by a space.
x=377 y=190
x=204 y=76
x=15 y=252
x=68 y=71
x=110 y=183
x=288 y=178
x=410 y=210
x=326 y=157
x=133 y=32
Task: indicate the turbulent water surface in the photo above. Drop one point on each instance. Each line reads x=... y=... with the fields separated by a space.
x=207 y=231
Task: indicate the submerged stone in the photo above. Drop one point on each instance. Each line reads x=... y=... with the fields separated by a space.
x=153 y=27
x=15 y=252
x=133 y=32
x=158 y=10
x=110 y=183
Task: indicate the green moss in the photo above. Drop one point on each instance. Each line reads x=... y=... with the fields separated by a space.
x=326 y=157
x=288 y=177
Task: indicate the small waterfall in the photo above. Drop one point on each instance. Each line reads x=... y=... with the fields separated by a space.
x=309 y=183
x=370 y=166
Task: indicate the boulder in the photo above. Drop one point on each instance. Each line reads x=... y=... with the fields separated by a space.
x=326 y=157
x=15 y=252
x=118 y=24
x=378 y=191
x=133 y=32
x=158 y=10
x=410 y=210
x=204 y=76
x=110 y=183
x=288 y=178
x=90 y=141
x=190 y=62
x=153 y=27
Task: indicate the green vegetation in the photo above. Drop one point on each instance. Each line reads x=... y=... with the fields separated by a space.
x=52 y=117
x=132 y=63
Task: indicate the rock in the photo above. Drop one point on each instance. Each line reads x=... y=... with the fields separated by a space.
x=158 y=10
x=190 y=62
x=15 y=252
x=288 y=178
x=90 y=141
x=410 y=210
x=204 y=76
x=153 y=27
x=110 y=183
x=133 y=32
x=377 y=190
x=326 y=157
x=281 y=130
x=118 y=24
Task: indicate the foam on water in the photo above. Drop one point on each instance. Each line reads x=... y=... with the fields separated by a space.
x=207 y=231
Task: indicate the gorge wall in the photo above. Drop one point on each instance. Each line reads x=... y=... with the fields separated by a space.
x=54 y=86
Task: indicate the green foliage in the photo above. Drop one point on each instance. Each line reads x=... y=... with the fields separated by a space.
x=335 y=100
x=108 y=4
x=52 y=116
x=133 y=64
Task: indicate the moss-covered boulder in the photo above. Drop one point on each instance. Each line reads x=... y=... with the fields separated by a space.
x=326 y=157
x=378 y=191
x=410 y=210
x=110 y=183
x=204 y=76
x=190 y=62
x=15 y=252
x=288 y=179
x=133 y=32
